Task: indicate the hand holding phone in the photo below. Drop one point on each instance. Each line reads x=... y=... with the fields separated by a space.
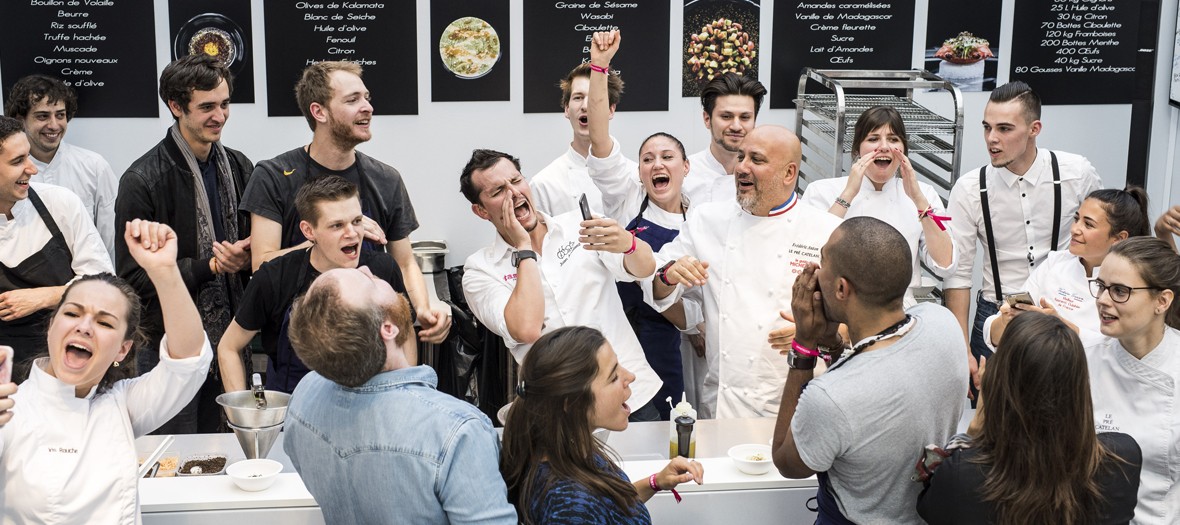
x=1014 y=299
x=585 y=205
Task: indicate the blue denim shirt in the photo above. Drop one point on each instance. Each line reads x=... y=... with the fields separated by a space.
x=395 y=450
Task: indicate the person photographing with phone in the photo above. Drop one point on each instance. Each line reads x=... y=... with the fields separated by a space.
x=1060 y=286
x=542 y=273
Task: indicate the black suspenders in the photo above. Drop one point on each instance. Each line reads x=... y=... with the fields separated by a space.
x=987 y=219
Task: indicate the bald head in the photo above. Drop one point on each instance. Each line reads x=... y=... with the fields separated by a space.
x=768 y=167
x=874 y=257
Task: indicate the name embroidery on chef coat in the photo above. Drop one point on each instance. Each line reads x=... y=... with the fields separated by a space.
x=1107 y=424
x=564 y=253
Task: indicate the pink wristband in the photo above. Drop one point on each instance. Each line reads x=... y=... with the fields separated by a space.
x=600 y=69
x=803 y=350
x=633 y=244
x=656 y=487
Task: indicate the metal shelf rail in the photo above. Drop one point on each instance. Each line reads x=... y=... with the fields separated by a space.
x=824 y=121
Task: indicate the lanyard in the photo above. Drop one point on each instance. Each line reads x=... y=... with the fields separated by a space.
x=897 y=329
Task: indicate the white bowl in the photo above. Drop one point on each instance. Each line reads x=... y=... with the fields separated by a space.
x=742 y=457
x=253 y=475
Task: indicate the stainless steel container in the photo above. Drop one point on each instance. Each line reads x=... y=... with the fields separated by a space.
x=431 y=255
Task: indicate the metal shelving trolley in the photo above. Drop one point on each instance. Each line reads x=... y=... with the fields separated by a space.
x=824 y=121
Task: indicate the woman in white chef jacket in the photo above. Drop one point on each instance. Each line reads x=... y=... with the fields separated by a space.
x=1135 y=369
x=1060 y=285
x=68 y=454
x=874 y=189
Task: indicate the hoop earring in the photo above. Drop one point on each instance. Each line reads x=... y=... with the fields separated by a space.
x=116 y=365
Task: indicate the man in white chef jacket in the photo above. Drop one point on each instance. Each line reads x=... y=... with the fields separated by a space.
x=743 y=258
x=729 y=105
x=544 y=272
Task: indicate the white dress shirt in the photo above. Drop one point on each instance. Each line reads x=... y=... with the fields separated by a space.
x=71 y=460
x=1062 y=281
x=25 y=234
x=707 y=180
x=579 y=289
x=753 y=262
x=893 y=206
x=1022 y=218
x=557 y=188
x=91 y=178
x=1142 y=398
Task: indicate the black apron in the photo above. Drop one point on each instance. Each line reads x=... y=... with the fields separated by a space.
x=296 y=237
x=51 y=266
x=659 y=338
x=284 y=370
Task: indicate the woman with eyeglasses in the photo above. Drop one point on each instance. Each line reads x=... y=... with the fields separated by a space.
x=1135 y=369
x=1059 y=285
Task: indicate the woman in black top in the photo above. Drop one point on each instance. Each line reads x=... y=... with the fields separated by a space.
x=1032 y=456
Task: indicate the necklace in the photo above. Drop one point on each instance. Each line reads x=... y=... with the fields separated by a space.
x=897 y=329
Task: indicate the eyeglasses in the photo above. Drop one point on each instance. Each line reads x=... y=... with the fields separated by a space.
x=1118 y=293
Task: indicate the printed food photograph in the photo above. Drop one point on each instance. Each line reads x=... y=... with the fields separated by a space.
x=720 y=36
x=961 y=44
x=469 y=47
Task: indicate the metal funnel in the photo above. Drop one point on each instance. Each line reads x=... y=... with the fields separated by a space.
x=242 y=409
x=256 y=442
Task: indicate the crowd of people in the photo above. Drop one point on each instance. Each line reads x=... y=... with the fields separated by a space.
x=130 y=302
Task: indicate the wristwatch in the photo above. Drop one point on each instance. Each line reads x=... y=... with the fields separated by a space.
x=520 y=255
x=799 y=361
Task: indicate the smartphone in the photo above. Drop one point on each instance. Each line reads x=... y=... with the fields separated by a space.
x=585 y=205
x=1018 y=298
x=6 y=366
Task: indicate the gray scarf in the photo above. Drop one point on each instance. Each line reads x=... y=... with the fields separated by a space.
x=216 y=298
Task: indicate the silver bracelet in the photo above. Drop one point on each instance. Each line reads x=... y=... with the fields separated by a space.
x=843 y=203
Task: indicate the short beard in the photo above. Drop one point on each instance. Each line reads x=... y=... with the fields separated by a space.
x=342 y=136
x=748 y=202
x=726 y=147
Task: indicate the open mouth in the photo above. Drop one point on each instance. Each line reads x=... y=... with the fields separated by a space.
x=993 y=151
x=584 y=120
x=883 y=161
x=744 y=183
x=522 y=211
x=351 y=250
x=660 y=181
x=626 y=408
x=77 y=356
x=23 y=183
x=1106 y=318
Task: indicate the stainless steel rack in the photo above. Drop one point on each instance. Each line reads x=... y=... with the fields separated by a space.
x=824 y=121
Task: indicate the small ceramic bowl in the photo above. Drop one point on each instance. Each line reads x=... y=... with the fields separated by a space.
x=752 y=459
x=253 y=475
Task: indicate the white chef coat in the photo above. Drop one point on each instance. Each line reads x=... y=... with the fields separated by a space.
x=707 y=180
x=91 y=178
x=579 y=288
x=25 y=234
x=557 y=188
x=1062 y=280
x=1142 y=398
x=753 y=262
x=893 y=206
x=1022 y=218
x=71 y=460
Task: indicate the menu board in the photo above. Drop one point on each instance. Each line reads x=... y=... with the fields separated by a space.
x=1076 y=51
x=470 y=60
x=218 y=28
x=720 y=36
x=557 y=38
x=105 y=49
x=846 y=34
x=374 y=34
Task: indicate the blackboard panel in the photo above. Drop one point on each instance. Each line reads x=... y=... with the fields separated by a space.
x=219 y=22
x=837 y=34
x=557 y=39
x=379 y=35
x=105 y=49
x=719 y=35
x=461 y=34
x=1076 y=51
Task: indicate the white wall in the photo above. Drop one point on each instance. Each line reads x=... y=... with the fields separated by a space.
x=431 y=148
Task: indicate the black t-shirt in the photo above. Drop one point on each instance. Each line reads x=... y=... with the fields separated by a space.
x=955 y=492
x=272 y=187
x=278 y=281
